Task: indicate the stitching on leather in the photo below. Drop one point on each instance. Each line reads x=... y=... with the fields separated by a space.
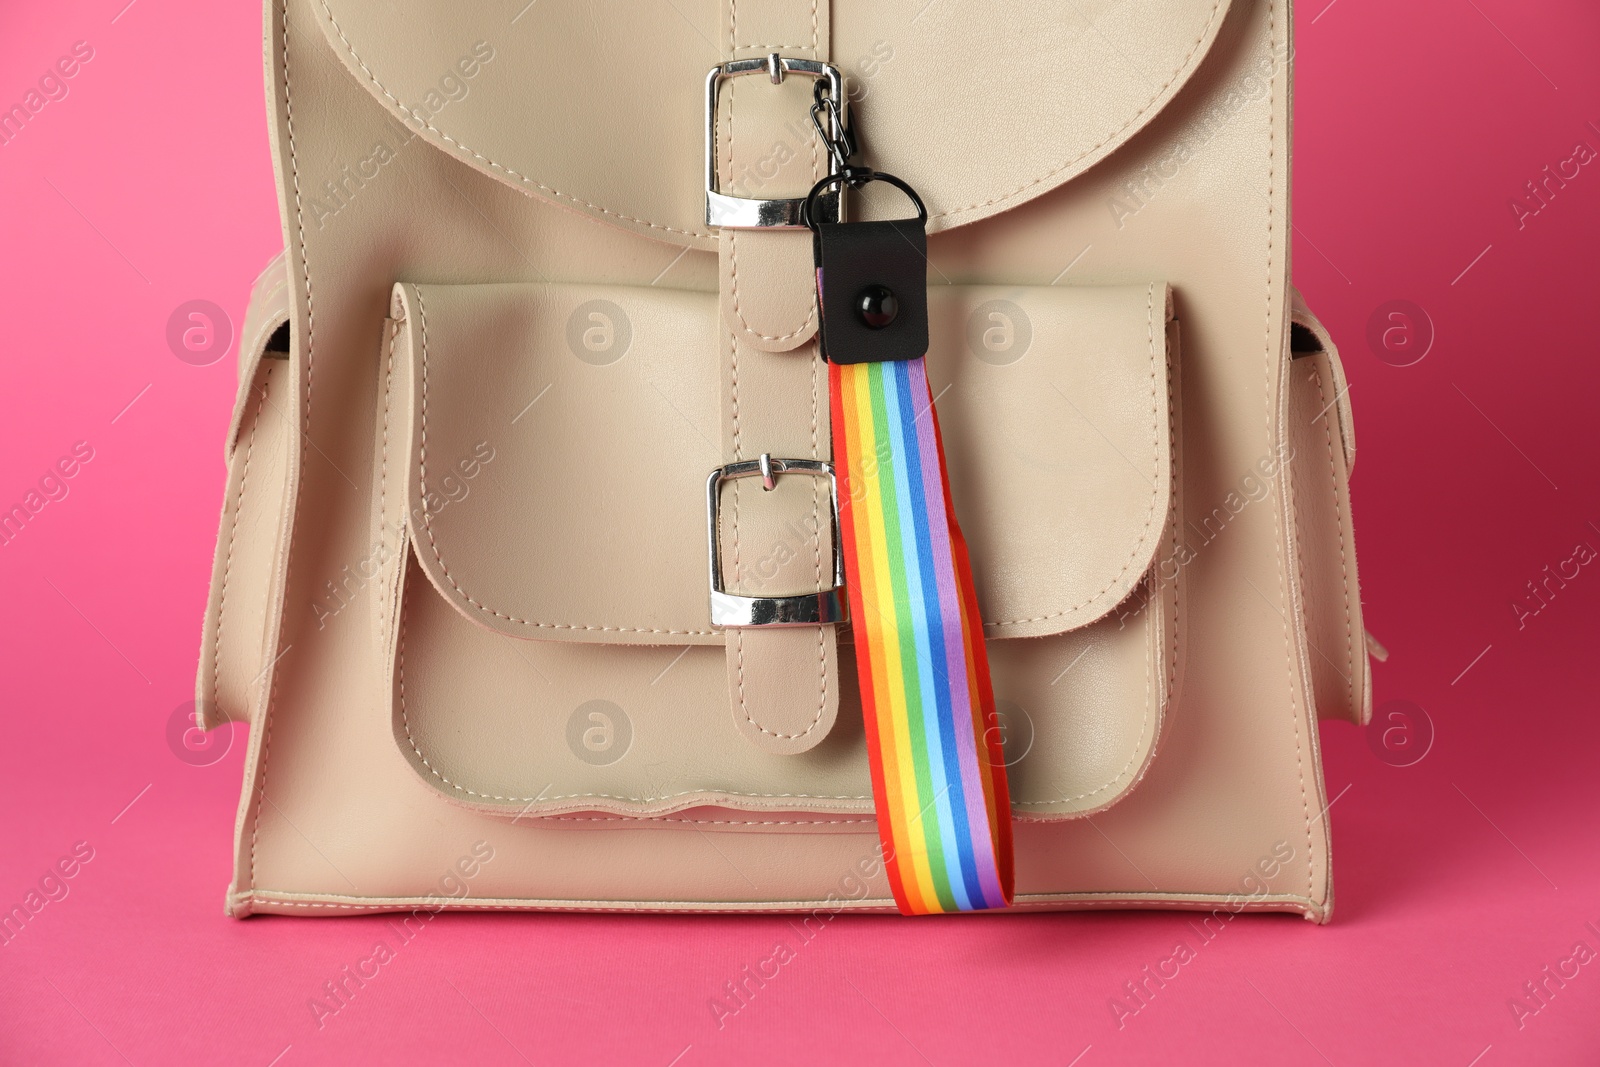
x=738 y=665
x=733 y=397
x=1173 y=902
x=383 y=470
x=1174 y=502
x=1150 y=515
x=822 y=696
x=601 y=628
x=1299 y=540
x=388 y=396
x=816 y=513
x=1266 y=394
x=738 y=634
x=233 y=534
x=1344 y=569
x=738 y=648
x=266 y=743
x=1048 y=175
x=816 y=486
x=645 y=821
x=816 y=53
x=733 y=235
x=738 y=313
x=1172 y=660
x=258 y=342
x=532 y=906
x=427 y=522
x=411 y=902
x=882 y=903
x=278 y=281
x=1145 y=727
x=520 y=177
x=405 y=724
x=305 y=426
x=1127 y=770
x=525 y=180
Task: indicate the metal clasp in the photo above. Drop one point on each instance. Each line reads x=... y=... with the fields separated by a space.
x=730 y=610
x=743 y=212
x=838 y=136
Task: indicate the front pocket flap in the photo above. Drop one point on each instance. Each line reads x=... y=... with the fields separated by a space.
x=561 y=436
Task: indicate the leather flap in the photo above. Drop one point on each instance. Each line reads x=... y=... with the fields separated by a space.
x=561 y=437
x=980 y=107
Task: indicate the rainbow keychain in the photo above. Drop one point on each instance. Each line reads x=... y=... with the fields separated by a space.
x=938 y=770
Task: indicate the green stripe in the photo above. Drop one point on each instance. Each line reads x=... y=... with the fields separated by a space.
x=927 y=809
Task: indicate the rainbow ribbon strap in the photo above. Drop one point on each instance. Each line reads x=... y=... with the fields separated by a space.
x=938 y=771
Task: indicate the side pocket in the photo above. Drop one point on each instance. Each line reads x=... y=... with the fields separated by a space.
x=1322 y=435
x=233 y=636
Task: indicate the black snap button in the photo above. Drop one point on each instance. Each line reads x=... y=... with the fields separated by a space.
x=877 y=306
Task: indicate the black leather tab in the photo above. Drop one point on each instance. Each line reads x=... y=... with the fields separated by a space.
x=866 y=269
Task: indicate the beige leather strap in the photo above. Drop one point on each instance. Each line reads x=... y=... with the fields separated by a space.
x=783 y=682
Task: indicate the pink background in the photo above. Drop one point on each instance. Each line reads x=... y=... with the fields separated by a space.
x=1459 y=878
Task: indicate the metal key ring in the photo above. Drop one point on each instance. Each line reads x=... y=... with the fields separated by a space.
x=856 y=177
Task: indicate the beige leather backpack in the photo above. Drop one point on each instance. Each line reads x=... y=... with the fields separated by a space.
x=546 y=274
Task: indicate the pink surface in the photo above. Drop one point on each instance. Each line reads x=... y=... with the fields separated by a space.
x=1460 y=878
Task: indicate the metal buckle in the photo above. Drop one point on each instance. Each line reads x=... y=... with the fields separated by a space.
x=742 y=212
x=730 y=610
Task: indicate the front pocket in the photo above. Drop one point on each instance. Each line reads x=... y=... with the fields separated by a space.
x=559 y=657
